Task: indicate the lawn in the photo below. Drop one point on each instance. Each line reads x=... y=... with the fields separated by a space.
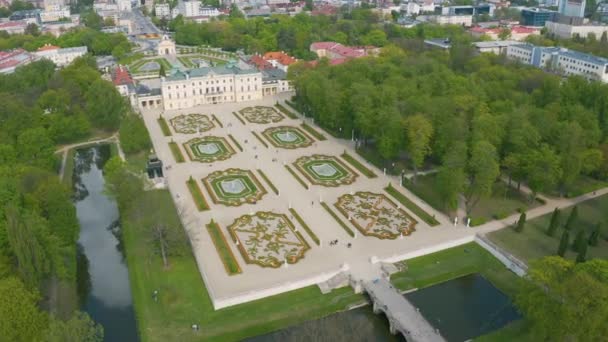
x=504 y=201
x=338 y=219
x=197 y=195
x=313 y=132
x=298 y=218
x=274 y=188
x=177 y=153
x=223 y=249
x=295 y=175
x=358 y=165
x=183 y=299
x=453 y=263
x=286 y=111
x=583 y=185
x=533 y=243
x=164 y=127
x=423 y=215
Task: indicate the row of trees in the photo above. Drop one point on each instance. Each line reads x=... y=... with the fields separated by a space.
x=98 y=43
x=295 y=34
x=474 y=117
x=43 y=107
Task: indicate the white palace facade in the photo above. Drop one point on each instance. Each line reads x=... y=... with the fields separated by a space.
x=211 y=85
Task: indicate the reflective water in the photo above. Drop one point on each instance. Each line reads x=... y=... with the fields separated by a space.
x=103 y=277
x=464 y=308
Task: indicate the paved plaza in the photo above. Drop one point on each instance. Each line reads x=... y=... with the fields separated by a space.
x=274 y=251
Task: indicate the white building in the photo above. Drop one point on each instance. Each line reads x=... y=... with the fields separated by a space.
x=496 y=47
x=201 y=86
x=189 y=8
x=61 y=57
x=162 y=10
x=463 y=20
x=55 y=13
x=14 y=27
x=567 y=31
x=560 y=60
x=124 y=5
x=166 y=47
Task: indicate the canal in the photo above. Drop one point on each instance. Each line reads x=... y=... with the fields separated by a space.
x=103 y=278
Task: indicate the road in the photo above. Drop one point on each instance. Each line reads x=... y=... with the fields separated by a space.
x=143 y=25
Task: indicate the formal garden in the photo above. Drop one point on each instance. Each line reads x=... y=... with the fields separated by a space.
x=191 y=123
x=375 y=215
x=234 y=187
x=200 y=61
x=208 y=149
x=325 y=170
x=261 y=114
x=287 y=137
x=268 y=239
x=149 y=66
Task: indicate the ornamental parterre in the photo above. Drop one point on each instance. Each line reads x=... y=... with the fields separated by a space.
x=375 y=215
x=325 y=170
x=268 y=239
x=234 y=187
x=261 y=114
x=191 y=123
x=208 y=149
x=287 y=137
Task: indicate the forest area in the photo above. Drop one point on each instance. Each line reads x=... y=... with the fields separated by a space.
x=42 y=109
x=471 y=118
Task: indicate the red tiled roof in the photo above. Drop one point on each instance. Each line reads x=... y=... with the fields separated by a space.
x=523 y=29
x=280 y=57
x=12 y=24
x=260 y=62
x=322 y=45
x=121 y=76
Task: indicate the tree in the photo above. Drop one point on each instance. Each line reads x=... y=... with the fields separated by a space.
x=482 y=170
x=572 y=218
x=161 y=71
x=79 y=328
x=451 y=177
x=32 y=29
x=521 y=223
x=133 y=134
x=595 y=234
x=582 y=252
x=579 y=241
x=105 y=106
x=554 y=223
x=564 y=301
x=563 y=243
x=418 y=132
x=21 y=318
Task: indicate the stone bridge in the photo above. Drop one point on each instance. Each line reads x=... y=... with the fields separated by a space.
x=403 y=317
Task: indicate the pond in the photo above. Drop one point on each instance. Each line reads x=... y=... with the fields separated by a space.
x=465 y=307
x=103 y=278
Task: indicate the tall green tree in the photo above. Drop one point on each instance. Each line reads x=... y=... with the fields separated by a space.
x=554 y=223
x=563 y=243
x=419 y=132
x=582 y=253
x=105 y=107
x=579 y=241
x=572 y=219
x=483 y=169
x=564 y=301
x=595 y=234
x=21 y=318
x=79 y=328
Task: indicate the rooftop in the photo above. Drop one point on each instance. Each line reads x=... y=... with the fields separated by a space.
x=229 y=69
x=280 y=57
x=121 y=76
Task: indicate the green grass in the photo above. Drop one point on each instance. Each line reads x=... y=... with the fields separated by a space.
x=164 y=127
x=235 y=142
x=582 y=185
x=183 y=298
x=177 y=153
x=161 y=61
x=223 y=249
x=339 y=220
x=423 y=215
x=197 y=195
x=274 y=188
x=533 y=243
x=426 y=189
x=515 y=331
x=286 y=111
x=68 y=169
x=357 y=165
x=259 y=139
x=313 y=132
x=453 y=263
x=186 y=62
x=238 y=117
x=305 y=226
x=217 y=120
x=295 y=175
x=505 y=200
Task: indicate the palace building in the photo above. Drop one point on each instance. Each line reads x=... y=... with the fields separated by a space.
x=211 y=85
